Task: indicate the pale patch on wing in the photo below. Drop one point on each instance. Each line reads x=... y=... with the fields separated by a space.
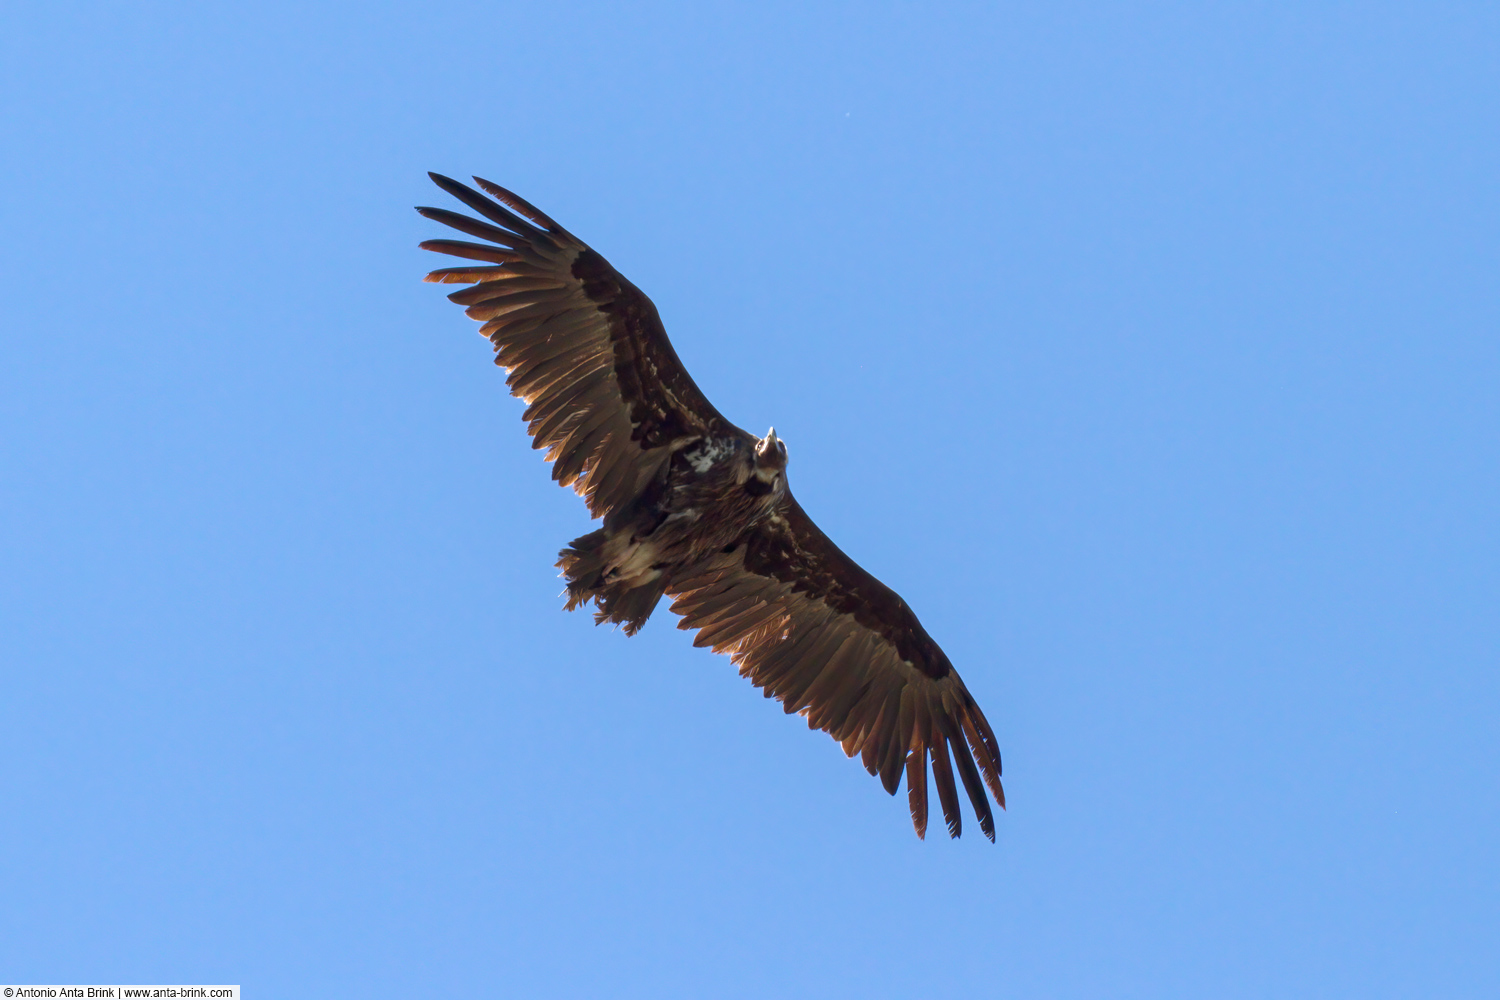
x=709 y=453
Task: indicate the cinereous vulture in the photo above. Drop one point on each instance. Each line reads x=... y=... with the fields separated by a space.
x=699 y=510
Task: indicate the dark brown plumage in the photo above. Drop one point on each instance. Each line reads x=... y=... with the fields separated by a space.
x=698 y=510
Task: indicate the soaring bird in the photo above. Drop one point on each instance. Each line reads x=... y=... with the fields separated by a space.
x=699 y=510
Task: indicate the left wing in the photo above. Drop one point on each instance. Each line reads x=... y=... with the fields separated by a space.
x=817 y=632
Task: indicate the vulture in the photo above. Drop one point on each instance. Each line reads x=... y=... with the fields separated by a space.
x=697 y=510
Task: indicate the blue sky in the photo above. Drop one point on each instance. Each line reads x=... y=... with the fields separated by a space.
x=1149 y=350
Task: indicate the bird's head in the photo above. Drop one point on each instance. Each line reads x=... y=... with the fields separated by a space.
x=770 y=456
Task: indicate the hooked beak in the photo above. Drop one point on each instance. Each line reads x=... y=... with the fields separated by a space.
x=770 y=440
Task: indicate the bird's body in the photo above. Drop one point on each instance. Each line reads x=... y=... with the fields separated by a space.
x=710 y=495
x=699 y=510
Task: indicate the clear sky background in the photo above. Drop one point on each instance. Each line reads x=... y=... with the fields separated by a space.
x=1151 y=351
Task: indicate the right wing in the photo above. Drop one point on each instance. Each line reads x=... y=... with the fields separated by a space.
x=607 y=396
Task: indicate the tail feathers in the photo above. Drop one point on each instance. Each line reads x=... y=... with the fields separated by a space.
x=584 y=566
x=628 y=608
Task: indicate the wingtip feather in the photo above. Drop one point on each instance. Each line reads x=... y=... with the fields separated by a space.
x=518 y=204
x=916 y=788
